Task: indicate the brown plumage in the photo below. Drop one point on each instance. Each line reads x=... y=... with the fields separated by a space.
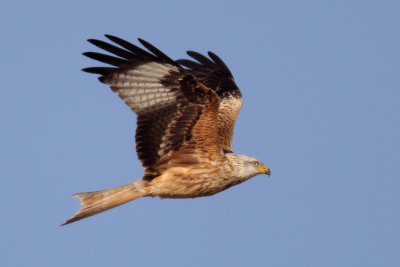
x=215 y=75
x=186 y=114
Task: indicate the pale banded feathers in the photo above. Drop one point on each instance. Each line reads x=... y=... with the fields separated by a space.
x=142 y=89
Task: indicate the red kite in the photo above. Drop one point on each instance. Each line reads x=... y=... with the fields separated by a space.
x=186 y=114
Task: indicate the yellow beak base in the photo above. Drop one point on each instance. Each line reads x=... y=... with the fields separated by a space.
x=264 y=170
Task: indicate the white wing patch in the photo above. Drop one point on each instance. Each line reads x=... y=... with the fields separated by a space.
x=141 y=87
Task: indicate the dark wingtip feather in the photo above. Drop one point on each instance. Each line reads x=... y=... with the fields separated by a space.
x=88 y=70
x=189 y=64
x=219 y=61
x=111 y=37
x=96 y=42
x=102 y=71
x=139 y=52
x=161 y=55
x=214 y=57
x=91 y=40
x=152 y=48
x=115 y=61
x=112 y=49
x=88 y=54
x=200 y=58
x=99 y=70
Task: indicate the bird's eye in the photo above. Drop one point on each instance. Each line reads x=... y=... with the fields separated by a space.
x=255 y=163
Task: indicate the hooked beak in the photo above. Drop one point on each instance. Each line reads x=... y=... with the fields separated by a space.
x=265 y=170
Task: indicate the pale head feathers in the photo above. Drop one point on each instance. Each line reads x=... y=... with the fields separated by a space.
x=247 y=167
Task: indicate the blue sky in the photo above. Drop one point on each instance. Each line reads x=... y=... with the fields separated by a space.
x=322 y=91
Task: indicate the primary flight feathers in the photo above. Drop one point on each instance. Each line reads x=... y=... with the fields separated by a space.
x=186 y=114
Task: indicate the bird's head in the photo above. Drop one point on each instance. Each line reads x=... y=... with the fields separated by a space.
x=258 y=167
x=250 y=166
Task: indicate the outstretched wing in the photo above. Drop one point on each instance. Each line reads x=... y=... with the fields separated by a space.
x=177 y=115
x=214 y=73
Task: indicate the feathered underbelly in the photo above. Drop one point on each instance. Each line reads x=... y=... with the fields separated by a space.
x=181 y=182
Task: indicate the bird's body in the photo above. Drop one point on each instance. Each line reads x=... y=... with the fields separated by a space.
x=185 y=124
x=198 y=180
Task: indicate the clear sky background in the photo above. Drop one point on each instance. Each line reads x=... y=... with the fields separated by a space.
x=321 y=81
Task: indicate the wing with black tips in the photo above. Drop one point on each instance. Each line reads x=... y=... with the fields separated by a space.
x=177 y=114
x=213 y=72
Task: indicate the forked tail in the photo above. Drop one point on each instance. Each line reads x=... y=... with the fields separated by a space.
x=99 y=201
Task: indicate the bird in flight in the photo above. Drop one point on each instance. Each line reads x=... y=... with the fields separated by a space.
x=186 y=114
